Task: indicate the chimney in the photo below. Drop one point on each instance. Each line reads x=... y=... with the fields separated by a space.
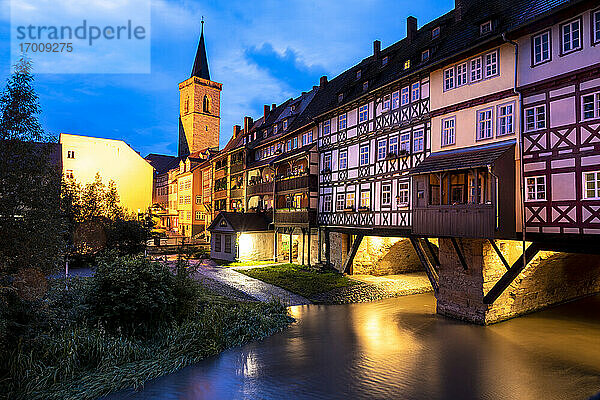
x=247 y=124
x=273 y=106
x=323 y=81
x=236 y=130
x=267 y=109
x=376 y=48
x=459 y=9
x=411 y=28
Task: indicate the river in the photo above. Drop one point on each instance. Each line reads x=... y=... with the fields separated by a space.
x=400 y=349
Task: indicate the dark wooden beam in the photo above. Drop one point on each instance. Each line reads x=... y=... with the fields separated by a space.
x=352 y=253
x=429 y=270
x=510 y=275
x=436 y=260
x=495 y=246
x=461 y=258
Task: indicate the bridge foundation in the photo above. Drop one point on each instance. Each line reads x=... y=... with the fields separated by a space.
x=470 y=268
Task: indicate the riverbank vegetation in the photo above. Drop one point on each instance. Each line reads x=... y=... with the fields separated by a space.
x=300 y=279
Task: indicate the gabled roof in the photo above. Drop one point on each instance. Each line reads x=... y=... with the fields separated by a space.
x=161 y=162
x=200 y=68
x=242 y=222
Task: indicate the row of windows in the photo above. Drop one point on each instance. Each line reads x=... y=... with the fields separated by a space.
x=185 y=199
x=185 y=185
x=305 y=139
x=505 y=124
x=228 y=241
x=536 y=117
x=346 y=200
x=536 y=187
x=472 y=71
x=402 y=97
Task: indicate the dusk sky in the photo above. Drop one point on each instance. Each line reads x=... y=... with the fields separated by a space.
x=262 y=52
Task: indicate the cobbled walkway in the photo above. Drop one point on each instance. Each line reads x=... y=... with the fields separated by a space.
x=258 y=290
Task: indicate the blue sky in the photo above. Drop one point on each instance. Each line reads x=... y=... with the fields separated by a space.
x=263 y=52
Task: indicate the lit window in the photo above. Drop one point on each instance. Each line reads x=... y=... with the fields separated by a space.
x=386 y=195
x=484 y=124
x=591 y=182
x=416 y=92
x=381 y=149
x=596 y=26
x=536 y=188
x=405 y=143
x=363 y=113
x=326 y=127
x=395 y=100
x=386 y=102
x=340 y=97
x=403 y=193
x=343 y=162
x=449 y=79
x=506 y=125
x=571 y=36
x=340 y=202
x=350 y=200
x=418 y=140
x=342 y=122
x=535 y=118
x=491 y=64
x=435 y=32
x=295 y=142
x=70 y=154
x=327 y=161
x=327 y=200
x=365 y=199
x=365 y=85
x=425 y=55
x=69 y=174
x=199 y=216
x=448 y=131
x=274 y=130
x=485 y=28
x=285 y=124
x=364 y=155
x=405 y=98
x=541 y=48
x=407 y=64
x=384 y=61
x=289 y=145
x=591 y=106
x=297 y=200
x=393 y=145
x=476 y=70
x=358 y=74
x=461 y=74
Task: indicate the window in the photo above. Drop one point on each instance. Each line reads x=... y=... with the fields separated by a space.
x=405 y=96
x=425 y=55
x=218 y=243
x=386 y=195
x=415 y=92
x=340 y=202
x=476 y=69
x=289 y=145
x=461 y=74
x=386 y=103
x=365 y=85
x=70 y=154
x=69 y=174
x=363 y=113
x=407 y=64
x=327 y=203
x=342 y=122
x=274 y=129
x=405 y=143
x=591 y=189
x=491 y=64
x=343 y=164
x=307 y=138
x=484 y=124
x=198 y=215
x=448 y=126
x=365 y=199
x=535 y=118
x=536 y=188
x=364 y=155
x=350 y=200
x=485 y=28
x=596 y=27
x=418 y=140
x=395 y=100
x=591 y=106
x=402 y=198
x=326 y=127
x=506 y=125
x=297 y=200
x=393 y=145
x=541 y=48
x=198 y=199
x=435 y=32
x=381 y=149
x=327 y=161
x=384 y=61
x=227 y=243
x=571 y=36
x=449 y=79
x=358 y=74
x=285 y=124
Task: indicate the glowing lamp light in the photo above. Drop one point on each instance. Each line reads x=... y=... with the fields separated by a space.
x=245 y=244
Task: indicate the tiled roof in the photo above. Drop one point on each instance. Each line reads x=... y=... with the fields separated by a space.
x=465 y=158
x=243 y=222
x=161 y=162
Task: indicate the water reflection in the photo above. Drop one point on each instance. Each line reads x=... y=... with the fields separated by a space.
x=399 y=348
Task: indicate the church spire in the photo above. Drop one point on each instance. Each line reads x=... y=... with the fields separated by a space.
x=200 y=68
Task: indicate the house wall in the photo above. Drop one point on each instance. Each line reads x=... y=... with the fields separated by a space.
x=222 y=254
x=255 y=246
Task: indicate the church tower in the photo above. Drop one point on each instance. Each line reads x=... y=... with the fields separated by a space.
x=199 y=107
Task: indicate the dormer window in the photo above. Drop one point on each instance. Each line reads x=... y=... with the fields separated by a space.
x=425 y=55
x=435 y=32
x=274 y=129
x=485 y=28
x=340 y=97
x=284 y=124
x=358 y=74
x=384 y=61
x=365 y=85
x=407 y=64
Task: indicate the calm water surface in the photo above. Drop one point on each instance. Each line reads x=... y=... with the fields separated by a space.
x=400 y=349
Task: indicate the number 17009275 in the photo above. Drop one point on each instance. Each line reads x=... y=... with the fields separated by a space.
x=46 y=47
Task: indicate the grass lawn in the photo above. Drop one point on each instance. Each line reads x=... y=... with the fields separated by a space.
x=299 y=279
x=245 y=263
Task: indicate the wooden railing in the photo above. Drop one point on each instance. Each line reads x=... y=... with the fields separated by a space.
x=297 y=182
x=259 y=188
x=463 y=220
x=220 y=194
x=295 y=216
x=235 y=193
x=237 y=167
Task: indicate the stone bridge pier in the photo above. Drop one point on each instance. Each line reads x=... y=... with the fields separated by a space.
x=484 y=281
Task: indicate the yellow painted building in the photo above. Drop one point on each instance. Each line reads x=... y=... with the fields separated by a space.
x=83 y=157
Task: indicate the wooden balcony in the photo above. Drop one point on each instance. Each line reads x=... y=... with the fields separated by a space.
x=220 y=194
x=220 y=173
x=295 y=217
x=296 y=183
x=236 y=193
x=463 y=220
x=260 y=188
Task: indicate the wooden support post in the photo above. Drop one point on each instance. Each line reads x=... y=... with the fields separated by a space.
x=303 y=247
x=431 y=273
x=495 y=246
x=432 y=251
x=352 y=253
x=308 y=251
x=274 y=244
x=319 y=254
x=459 y=253
x=510 y=275
x=291 y=247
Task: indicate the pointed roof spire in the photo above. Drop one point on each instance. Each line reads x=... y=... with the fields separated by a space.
x=200 y=68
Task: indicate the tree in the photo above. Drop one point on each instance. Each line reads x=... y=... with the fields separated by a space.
x=30 y=218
